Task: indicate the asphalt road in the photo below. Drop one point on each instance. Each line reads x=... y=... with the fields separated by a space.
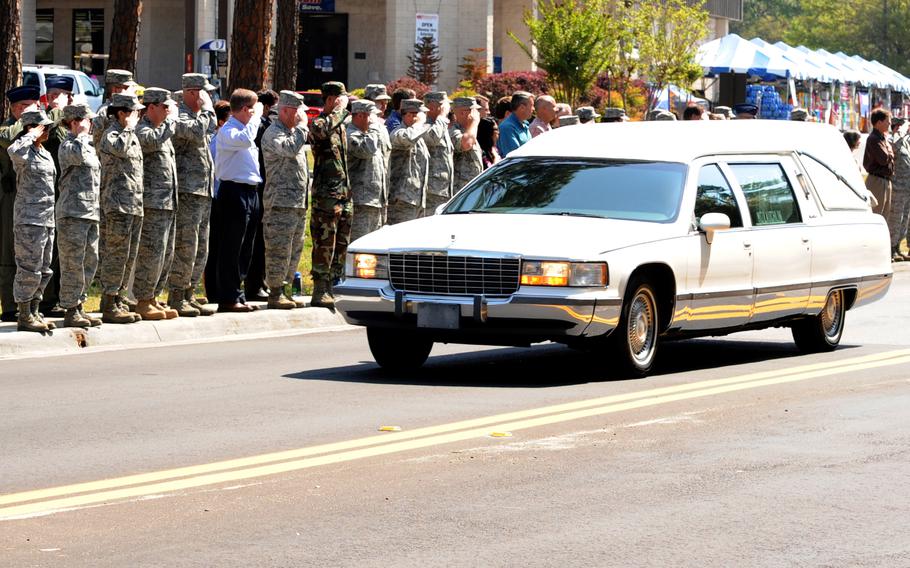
x=738 y=452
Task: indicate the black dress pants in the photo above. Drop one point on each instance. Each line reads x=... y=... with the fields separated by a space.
x=238 y=209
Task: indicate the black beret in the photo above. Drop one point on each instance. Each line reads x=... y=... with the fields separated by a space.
x=23 y=93
x=61 y=82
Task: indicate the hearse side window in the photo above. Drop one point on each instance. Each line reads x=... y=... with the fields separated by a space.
x=832 y=192
x=714 y=195
x=769 y=195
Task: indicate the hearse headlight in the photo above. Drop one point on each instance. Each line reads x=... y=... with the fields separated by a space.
x=372 y=266
x=574 y=274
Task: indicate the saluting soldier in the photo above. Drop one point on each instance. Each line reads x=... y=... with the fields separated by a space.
x=20 y=98
x=159 y=203
x=33 y=218
x=439 y=147
x=409 y=165
x=196 y=126
x=121 y=204
x=468 y=157
x=116 y=81
x=285 y=196
x=368 y=144
x=330 y=221
x=377 y=93
x=78 y=214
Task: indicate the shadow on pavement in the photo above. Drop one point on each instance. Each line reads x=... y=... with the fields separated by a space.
x=554 y=365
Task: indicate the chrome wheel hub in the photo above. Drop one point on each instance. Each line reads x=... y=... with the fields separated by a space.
x=832 y=313
x=641 y=330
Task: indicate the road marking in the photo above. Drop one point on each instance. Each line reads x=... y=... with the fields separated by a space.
x=55 y=499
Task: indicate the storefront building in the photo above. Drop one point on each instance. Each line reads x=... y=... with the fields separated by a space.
x=355 y=41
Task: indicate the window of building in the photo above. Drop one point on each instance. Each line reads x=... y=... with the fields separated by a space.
x=44 y=36
x=714 y=195
x=769 y=194
x=88 y=38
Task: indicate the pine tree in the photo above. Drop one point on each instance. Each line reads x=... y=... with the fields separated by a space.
x=125 y=35
x=11 y=59
x=474 y=65
x=425 y=61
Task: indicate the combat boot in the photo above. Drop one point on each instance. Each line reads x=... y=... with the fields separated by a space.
x=177 y=301
x=111 y=312
x=39 y=316
x=27 y=321
x=321 y=296
x=203 y=310
x=149 y=311
x=72 y=318
x=277 y=301
x=127 y=307
x=169 y=312
x=93 y=320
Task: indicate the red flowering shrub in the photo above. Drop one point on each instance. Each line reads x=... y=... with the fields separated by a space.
x=504 y=84
x=408 y=83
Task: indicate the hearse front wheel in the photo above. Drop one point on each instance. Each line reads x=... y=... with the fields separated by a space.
x=397 y=350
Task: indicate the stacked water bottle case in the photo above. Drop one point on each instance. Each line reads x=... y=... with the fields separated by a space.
x=767 y=99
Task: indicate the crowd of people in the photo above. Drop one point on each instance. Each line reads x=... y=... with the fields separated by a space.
x=162 y=193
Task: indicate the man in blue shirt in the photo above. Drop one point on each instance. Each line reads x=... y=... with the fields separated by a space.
x=515 y=130
x=393 y=122
x=237 y=206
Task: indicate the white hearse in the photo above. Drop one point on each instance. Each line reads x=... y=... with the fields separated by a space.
x=615 y=236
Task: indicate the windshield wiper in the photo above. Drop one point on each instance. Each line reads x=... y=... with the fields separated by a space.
x=574 y=214
x=467 y=211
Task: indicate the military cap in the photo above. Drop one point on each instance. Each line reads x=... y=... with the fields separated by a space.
x=376 y=92
x=614 y=112
x=177 y=96
x=724 y=110
x=799 y=114
x=59 y=82
x=333 y=89
x=586 y=113
x=77 y=111
x=465 y=102
x=363 y=105
x=745 y=108
x=123 y=100
x=118 y=77
x=154 y=95
x=23 y=93
x=568 y=120
x=661 y=114
x=412 y=105
x=436 y=97
x=291 y=99
x=196 y=81
x=35 y=117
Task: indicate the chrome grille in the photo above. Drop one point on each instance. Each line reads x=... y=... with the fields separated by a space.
x=458 y=275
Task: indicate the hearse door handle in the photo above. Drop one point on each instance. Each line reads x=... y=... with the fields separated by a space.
x=747 y=244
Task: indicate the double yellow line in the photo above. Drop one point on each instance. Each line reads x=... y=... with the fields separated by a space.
x=55 y=499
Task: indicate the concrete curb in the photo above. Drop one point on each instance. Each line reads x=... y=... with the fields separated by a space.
x=227 y=325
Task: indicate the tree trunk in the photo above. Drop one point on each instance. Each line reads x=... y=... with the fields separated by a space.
x=11 y=59
x=286 y=46
x=249 y=54
x=125 y=35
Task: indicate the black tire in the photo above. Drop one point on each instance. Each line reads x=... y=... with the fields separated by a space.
x=396 y=350
x=634 y=342
x=822 y=333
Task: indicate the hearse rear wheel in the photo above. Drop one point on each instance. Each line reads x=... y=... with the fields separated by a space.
x=821 y=333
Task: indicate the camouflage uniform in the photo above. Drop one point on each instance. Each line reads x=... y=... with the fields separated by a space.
x=369 y=177
x=468 y=164
x=8 y=131
x=78 y=215
x=57 y=135
x=121 y=205
x=899 y=217
x=284 y=200
x=330 y=222
x=33 y=217
x=440 y=174
x=195 y=184
x=408 y=170
x=159 y=200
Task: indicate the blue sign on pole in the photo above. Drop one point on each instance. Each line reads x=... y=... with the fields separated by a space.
x=317 y=5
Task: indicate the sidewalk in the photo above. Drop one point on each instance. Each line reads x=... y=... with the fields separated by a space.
x=73 y=340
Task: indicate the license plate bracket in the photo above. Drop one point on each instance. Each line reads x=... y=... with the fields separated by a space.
x=438 y=316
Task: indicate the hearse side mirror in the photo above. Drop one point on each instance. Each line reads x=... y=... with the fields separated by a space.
x=711 y=222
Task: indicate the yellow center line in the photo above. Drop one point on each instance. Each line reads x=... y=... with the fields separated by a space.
x=304 y=458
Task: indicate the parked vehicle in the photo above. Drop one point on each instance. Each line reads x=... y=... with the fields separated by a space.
x=315 y=102
x=616 y=236
x=83 y=85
